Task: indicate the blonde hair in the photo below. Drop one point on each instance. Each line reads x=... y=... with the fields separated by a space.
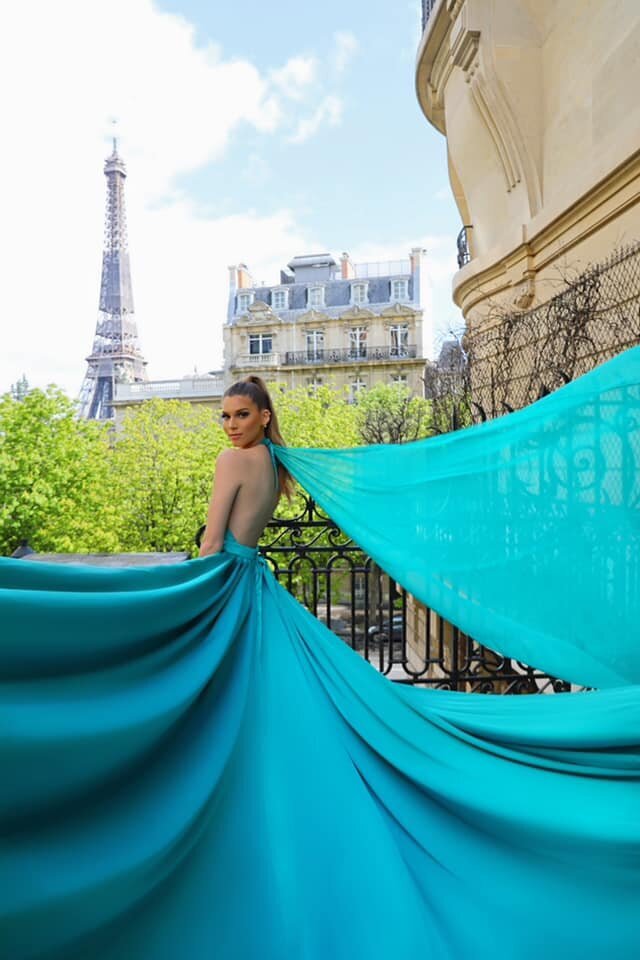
x=256 y=390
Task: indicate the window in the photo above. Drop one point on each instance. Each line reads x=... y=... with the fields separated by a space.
x=357 y=343
x=315 y=344
x=356 y=386
x=399 y=333
x=315 y=297
x=244 y=302
x=279 y=300
x=399 y=380
x=313 y=384
x=399 y=289
x=358 y=293
x=260 y=343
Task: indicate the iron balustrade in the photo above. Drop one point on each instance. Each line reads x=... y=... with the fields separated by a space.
x=349 y=354
x=427 y=7
x=345 y=589
x=464 y=251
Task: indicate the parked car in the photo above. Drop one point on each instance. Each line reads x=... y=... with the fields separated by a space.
x=381 y=632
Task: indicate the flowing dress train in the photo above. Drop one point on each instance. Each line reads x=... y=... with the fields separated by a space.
x=193 y=766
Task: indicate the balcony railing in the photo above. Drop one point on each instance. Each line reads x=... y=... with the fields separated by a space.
x=362 y=354
x=464 y=251
x=427 y=7
x=184 y=389
x=256 y=360
x=382 y=268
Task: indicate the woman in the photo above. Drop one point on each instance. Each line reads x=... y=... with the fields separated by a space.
x=245 y=494
x=193 y=766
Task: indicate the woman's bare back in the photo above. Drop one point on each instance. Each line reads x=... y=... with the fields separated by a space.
x=257 y=495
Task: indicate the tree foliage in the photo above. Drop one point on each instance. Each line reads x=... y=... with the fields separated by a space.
x=390 y=414
x=162 y=466
x=70 y=485
x=53 y=469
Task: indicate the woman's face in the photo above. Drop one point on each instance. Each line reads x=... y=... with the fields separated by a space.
x=242 y=421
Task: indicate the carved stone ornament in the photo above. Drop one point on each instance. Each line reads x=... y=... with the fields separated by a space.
x=259 y=311
x=398 y=310
x=523 y=293
x=357 y=313
x=314 y=316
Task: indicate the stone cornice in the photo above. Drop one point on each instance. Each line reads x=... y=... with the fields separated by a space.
x=514 y=266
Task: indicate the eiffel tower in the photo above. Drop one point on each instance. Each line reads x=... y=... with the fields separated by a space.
x=116 y=356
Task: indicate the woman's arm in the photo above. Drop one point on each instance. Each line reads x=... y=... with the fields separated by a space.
x=226 y=484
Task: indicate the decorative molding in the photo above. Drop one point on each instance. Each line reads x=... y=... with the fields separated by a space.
x=496 y=120
x=357 y=313
x=314 y=316
x=259 y=306
x=465 y=49
x=399 y=310
x=454 y=7
x=524 y=292
x=470 y=50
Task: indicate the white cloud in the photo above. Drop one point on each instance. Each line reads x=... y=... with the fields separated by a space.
x=295 y=77
x=345 y=46
x=178 y=105
x=329 y=111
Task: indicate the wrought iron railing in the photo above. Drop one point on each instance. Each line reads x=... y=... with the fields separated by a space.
x=342 y=586
x=361 y=353
x=464 y=250
x=347 y=591
x=427 y=7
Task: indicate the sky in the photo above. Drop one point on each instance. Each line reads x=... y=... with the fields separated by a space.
x=251 y=133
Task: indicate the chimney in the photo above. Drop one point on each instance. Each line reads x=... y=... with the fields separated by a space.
x=346 y=267
x=245 y=280
x=415 y=257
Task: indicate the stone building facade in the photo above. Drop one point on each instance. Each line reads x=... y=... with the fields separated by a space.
x=344 y=325
x=537 y=101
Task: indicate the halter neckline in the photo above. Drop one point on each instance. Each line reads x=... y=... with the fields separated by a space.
x=269 y=444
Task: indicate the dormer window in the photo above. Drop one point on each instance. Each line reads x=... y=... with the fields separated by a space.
x=359 y=293
x=315 y=297
x=399 y=289
x=280 y=299
x=244 y=302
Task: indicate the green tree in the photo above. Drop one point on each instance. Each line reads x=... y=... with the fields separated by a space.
x=162 y=468
x=54 y=471
x=20 y=388
x=388 y=413
x=320 y=418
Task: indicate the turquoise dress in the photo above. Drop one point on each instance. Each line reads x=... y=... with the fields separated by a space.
x=192 y=766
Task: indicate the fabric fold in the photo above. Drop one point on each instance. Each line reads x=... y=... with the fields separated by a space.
x=523 y=531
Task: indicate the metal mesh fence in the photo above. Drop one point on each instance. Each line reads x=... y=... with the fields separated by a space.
x=517 y=358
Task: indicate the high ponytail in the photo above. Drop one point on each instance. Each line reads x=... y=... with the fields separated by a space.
x=256 y=389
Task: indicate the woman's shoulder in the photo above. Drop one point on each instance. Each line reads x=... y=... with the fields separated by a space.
x=234 y=458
